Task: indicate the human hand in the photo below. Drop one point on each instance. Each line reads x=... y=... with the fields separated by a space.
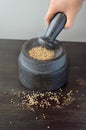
x=69 y=7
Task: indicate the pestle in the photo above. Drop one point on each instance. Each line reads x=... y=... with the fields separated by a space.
x=55 y=27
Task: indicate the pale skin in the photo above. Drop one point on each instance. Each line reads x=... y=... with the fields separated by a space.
x=69 y=7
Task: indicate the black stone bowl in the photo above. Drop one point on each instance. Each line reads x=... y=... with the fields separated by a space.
x=41 y=75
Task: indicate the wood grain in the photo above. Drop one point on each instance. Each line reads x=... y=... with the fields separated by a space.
x=69 y=117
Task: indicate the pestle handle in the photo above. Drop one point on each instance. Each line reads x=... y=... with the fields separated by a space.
x=55 y=26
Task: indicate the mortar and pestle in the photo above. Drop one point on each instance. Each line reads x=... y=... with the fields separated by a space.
x=45 y=75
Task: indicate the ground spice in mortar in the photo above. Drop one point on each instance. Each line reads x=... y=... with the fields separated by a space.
x=41 y=53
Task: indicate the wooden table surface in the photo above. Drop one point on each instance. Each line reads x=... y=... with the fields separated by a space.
x=14 y=117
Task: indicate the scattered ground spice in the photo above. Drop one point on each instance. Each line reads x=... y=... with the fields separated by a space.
x=36 y=118
x=46 y=100
x=10 y=122
x=43 y=100
x=18 y=104
x=4 y=92
x=34 y=100
x=82 y=95
x=77 y=91
x=41 y=53
x=12 y=90
x=48 y=126
x=44 y=116
x=78 y=105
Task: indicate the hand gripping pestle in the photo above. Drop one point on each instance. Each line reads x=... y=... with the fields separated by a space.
x=48 y=75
